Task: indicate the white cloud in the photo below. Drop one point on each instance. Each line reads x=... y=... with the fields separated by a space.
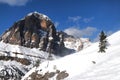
x=14 y=2
x=86 y=20
x=75 y=18
x=57 y=24
x=76 y=32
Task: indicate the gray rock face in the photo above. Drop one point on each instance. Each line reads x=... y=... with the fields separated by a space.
x=11 y=73
x=35 y=31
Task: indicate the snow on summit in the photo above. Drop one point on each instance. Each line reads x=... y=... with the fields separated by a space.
x=41 y=16
x=87 y=64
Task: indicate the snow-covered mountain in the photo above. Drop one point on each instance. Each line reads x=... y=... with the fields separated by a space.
x=87 y=64
x=31 y=41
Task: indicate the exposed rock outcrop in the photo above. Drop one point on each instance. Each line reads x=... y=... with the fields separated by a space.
x=56 y=75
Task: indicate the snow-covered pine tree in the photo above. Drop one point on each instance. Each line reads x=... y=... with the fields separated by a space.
x=103 y=42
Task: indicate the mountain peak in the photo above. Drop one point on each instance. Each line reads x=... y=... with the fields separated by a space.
x=36 y=30
x=40 y=15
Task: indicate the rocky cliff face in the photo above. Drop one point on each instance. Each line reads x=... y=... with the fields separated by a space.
x=35 y=31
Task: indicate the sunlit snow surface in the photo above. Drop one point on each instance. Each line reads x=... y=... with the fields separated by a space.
x=88 y=64
x=19 y=49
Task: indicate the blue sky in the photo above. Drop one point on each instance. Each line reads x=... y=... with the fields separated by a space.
x=82 y=18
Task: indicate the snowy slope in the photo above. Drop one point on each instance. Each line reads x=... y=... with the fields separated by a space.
x=87 y=64
x=18 y=60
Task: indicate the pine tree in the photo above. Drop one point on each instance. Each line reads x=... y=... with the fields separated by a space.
x=103 y=42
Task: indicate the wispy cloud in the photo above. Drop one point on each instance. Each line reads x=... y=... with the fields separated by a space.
x=80 y=19
x=75 y=18
x=56 y=24
x=75 y=29
x=86 y=20
x=14 y=2
x=76 y=32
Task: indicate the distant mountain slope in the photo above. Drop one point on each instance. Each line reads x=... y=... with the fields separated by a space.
x=87 y=64
x=77 y=44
